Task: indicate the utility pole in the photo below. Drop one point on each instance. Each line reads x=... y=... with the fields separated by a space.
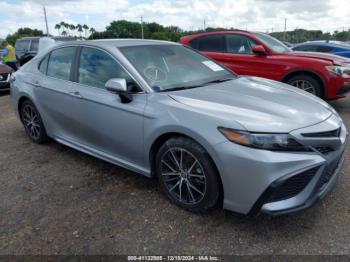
x=47 y=27
x=142 y=28
x=285 y=29
x=204 y=25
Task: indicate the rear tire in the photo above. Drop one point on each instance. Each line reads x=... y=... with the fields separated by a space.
x=187 y=175
x=307 y=83
x=33 y=123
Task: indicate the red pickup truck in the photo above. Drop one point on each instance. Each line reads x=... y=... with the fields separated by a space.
x=259 y=54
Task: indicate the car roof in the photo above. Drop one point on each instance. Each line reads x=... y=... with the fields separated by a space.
x=119 y=42
x=325 y=43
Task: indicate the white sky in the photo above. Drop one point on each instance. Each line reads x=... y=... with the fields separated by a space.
x=261 y=15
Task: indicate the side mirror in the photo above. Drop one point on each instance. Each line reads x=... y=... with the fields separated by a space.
x=259 y=50
x=118 y=86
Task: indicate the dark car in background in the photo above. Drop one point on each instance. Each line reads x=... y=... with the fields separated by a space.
x=334 y=47
x=5 y=72
x=259 y=54
x=28 y=47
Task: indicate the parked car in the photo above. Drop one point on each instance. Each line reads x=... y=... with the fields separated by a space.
x=28 y=47
x=290 y=45
x=164 y=110
x=337 y=48
x=258 y=54
x=5 y=73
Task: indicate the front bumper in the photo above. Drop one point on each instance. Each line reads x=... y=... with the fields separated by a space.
x=338 y=86
x=254 y=180
x=4 y=82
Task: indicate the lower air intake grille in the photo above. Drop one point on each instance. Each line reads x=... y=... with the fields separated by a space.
x=324 y=149
x=328 y=173
x=293 y=186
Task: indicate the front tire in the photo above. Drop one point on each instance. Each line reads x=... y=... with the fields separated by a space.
x=306 y=83
x=187 y=175
x=33 y=123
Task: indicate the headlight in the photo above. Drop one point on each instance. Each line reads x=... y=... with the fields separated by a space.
x=274 y=142
x=339 y=70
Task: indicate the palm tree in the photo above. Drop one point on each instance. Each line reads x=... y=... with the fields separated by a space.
x=72 y=27
x=64 y=25
x=86 y=28
x=64 y=33
x=92 y=31
x=80 y=29
x=58 y=27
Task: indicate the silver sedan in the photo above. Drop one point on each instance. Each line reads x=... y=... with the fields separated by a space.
x=211 y=138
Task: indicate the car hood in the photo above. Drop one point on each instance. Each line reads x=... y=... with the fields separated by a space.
x=4 y=69
x=323 y=56
x=258 y=104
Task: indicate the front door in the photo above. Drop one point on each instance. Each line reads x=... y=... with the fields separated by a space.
x=103 y=121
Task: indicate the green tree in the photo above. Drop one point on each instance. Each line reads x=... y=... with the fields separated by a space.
x=58 y=27
x=86 y=28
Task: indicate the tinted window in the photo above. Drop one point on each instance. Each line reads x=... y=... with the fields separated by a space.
x=34 y=45
x=210 y=43
x=22 y=45
x=307 y=48
x=325 y=49
x=60 y=62
x=43 y=65
x=97 y=67
x=239 y=44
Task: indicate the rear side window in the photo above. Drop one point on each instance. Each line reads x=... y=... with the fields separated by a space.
x=60 y=63
x=43 y=64
x=22 y=45
x=34 y=45
x=96 y=67
x=210 y=43
x=308 y=48
x=324 y=49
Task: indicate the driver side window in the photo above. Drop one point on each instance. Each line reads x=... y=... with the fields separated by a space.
x=96 y=67
x=239 y=44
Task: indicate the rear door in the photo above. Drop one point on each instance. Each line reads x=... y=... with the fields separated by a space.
x=105 y=123
x=53 y=90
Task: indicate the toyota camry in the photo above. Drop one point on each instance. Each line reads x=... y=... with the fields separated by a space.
x=212 y=139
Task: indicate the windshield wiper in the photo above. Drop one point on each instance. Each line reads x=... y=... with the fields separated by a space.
x=194 y=86
x=179 y=88
x=219 y=80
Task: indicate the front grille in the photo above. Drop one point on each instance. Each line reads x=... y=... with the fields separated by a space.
x=293 y=186
x=333 y=133
x=324 y=149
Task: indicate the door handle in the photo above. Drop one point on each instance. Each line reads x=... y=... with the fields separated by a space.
x=76 y=94
x=36 y=84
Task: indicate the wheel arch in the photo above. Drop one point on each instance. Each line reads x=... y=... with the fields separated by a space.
x=21 y=100
x=310 y=73
x=161 y=139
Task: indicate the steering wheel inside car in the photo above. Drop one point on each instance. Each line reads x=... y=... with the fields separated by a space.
x=155 y=74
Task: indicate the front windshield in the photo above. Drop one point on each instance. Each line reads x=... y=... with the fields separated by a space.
x=276 y=45
x=167 y=67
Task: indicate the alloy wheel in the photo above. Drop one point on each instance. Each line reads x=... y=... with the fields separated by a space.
x=304 y=85
x=31 y=121
x=183 y=176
